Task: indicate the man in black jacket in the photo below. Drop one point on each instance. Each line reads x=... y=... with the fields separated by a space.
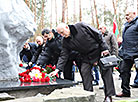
x=27 y=52
x=88 y=42
x=51 y=49
x=129 y=51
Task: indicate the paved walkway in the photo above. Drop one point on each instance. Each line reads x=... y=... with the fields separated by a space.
x=100 y=92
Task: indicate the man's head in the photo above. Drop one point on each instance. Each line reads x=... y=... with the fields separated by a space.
x=26 y=45
x=130 y=15
x=39 y=40
x=102 y=28
x=63 y=30
x=47 y=34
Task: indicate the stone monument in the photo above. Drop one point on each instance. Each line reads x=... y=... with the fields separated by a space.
x=16 y=26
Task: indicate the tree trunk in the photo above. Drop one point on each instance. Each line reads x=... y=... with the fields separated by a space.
x=92 y=13
x=56 y=12
x=35 y=11
x=96 y=14
x=80 y=13
x=74 y=13
x=63 y=11
x=51 y=14
x=66 y=6
x=114 y=6
x=28 y=3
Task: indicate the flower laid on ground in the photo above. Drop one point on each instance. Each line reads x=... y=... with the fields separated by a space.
x=38 y=74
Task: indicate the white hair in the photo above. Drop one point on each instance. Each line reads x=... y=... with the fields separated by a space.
x=61 y=25
x=39 y=38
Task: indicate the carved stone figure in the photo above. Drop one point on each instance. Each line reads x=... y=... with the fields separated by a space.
x=16 y=26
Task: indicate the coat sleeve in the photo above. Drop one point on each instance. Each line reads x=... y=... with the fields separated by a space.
x=114 y=45
x=64 y=55
x=45 y=56
x=95 y=34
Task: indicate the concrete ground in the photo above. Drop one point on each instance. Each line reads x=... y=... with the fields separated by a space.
x=117 y=82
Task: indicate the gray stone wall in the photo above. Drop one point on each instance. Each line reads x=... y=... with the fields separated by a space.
x=16 y=26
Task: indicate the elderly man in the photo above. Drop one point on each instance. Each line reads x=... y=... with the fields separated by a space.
x=88 y=42
x=129 y=51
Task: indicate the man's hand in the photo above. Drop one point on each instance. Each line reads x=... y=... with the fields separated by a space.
x=104 y=53
x=30 y=64
x=54 y=72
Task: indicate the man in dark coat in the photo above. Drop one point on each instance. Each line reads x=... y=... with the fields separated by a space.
x=129 y=51
x=106 y=75
x=51 y=49
x=88 y=42
x=27 y=52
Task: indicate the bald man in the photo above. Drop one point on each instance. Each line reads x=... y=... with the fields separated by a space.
x=88 y=41
x=129 y=51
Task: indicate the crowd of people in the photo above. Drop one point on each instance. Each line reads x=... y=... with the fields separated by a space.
x=82 y=45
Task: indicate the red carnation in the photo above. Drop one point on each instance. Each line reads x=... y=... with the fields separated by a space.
x=21 y=79
x=47 y=79
x=43 y=75
x=27 y=80
x=116 y=68
x=20 y=65
x=42 y=79
x=37 y=79
x=54 y=67
x=57 y=75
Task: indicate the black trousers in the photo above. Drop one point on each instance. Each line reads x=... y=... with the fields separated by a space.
x=68 y=73
x=109 y=88
x=125 y=72
x=87 y=77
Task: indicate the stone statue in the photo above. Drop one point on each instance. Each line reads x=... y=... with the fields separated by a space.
x=16 y=26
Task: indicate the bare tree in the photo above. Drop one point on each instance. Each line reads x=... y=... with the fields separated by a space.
x=114 y=6
x=92 y=13
x=74 y=13
x=66 y=6
x=28 y=3
x=51 y=14
x=63 y=11
x=80 y=13
x=35 y=11
x=96 y=13
x=56 y=11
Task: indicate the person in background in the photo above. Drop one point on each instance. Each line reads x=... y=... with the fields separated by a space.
x=27 y=52
x=89 y=42
x=40 y=43
x=135 y=84
x=95 y=68
x=129 y=51
x=106 y=75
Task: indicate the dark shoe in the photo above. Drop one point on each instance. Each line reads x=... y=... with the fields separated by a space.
x=122 y=95
x=108 y=99
x=101 y=87
x=134 y=85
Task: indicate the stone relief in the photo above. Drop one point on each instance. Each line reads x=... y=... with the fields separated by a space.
x=16 y=26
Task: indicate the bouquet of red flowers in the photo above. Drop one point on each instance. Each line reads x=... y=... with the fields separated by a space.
x=38 y=74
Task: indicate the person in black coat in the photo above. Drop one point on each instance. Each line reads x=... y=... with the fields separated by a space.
x=128 y=51
x=88 y=41
x=27 y=52
x=51 y=49
x=40 y=43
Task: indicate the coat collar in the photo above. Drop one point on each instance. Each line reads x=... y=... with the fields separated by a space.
x=73 y=30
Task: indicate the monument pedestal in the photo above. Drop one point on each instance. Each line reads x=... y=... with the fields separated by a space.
x=21 y=90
